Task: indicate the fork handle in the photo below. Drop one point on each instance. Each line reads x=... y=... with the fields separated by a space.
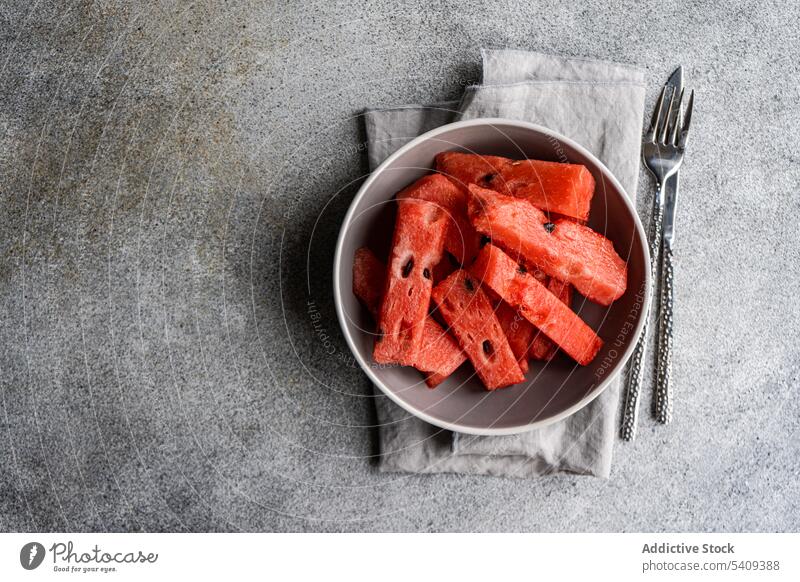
x=630 y=412
x=663 y=403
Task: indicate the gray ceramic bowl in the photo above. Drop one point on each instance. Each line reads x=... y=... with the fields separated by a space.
x=552 y=390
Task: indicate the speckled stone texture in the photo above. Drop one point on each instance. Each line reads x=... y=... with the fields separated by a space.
x=173 y=178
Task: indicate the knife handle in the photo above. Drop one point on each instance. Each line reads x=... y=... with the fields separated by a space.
x=630 y=412
x=663 y=403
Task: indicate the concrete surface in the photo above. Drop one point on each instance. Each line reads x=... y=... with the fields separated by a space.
x=173 y=176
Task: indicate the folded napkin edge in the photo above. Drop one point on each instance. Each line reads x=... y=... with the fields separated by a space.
x=494 y=466
x=637 y=84
x=629 y=66
x=454 y=106
x=414 y=106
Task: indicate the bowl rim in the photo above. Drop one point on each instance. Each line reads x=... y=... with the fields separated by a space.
x=455 y=427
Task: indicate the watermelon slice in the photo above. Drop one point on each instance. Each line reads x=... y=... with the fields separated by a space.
x=440 y=354
x=563 y=188
x=369 y=274
x=446 y=266
x=465 y=169
x=542 y=347
x=566 y=250
x=543 y=309
x=470 y=315
x=561 y=290
x=434 y=379
x=417 y=246
x=461 y=240
x=566 y=189
x=519 y=332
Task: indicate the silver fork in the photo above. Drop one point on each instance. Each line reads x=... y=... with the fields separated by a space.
x=662 y=150
x=662 y=405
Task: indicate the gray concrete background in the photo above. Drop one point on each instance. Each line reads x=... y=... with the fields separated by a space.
x=173 y=176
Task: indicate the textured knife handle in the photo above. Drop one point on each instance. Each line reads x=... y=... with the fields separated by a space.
x=663 y=404
x=630 y=413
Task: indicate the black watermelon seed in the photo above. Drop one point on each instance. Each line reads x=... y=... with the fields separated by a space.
x=453 y=261
x=468 y=284
x=485 y=240
x=408 y=267
x=549 y=226
x=487 y=347
x=522 y=269
x=489 y=177
x=426 y=273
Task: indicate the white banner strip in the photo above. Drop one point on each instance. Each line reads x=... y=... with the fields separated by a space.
x=406 y=557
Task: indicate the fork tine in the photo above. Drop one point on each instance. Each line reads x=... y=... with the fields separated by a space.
x=654 y=122
x=686 y=121
x=661 y=136
x=676 y=122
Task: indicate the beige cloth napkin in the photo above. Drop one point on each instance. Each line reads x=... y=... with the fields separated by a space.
x=598 y=104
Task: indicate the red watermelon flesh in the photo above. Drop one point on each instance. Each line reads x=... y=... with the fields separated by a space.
x=461 y=240
x=540 y=276
x=440 y=354
x=543 y=309
x=542 y=347
x=555 y=216
x=471 y=318
x=446 y=266
x=566 y=189
x=519 y=332
x=433 y=380
x=568 y=251
x=563 y=188
x=465 y=169
x=561 y=290
x=417 y=246
x=369 y=275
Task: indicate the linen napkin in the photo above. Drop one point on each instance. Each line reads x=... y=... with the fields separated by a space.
x=598 y=104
